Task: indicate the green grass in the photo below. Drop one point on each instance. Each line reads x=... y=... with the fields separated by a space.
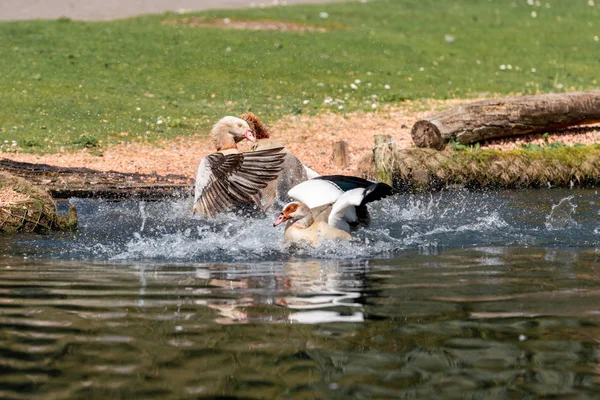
x=85 y=84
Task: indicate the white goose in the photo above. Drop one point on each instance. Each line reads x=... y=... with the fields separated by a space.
x=229 y=178
x=329 y=207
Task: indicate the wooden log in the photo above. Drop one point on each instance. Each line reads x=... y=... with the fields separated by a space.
x=382 y=155
x=340 y=156
x=64 y=182
x=510 y=116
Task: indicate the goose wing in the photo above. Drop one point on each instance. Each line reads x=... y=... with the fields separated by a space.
x=315 y=192
x=343 y=211
x=350 y=209
x=225 y=181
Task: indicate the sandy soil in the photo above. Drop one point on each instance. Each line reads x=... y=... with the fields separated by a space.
x=310 y=138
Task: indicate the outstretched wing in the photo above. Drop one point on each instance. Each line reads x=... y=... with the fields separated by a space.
x=226 y=181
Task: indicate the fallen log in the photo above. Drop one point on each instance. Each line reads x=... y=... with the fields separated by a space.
x=64 y=182
x=423 y=169
x=510 y=116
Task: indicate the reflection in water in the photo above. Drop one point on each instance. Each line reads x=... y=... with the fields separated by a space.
x=453 y=295
x=451 y=325
x=309 y=286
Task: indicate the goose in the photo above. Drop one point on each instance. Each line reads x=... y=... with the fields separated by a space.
x=294 y=172
x=329 y=208
x=229 y=178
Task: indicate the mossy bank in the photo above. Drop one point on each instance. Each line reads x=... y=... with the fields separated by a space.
x=554 y=165
x=25 y=207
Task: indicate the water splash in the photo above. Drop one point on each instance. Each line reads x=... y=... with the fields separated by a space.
x=166 y=231
x=561 y=215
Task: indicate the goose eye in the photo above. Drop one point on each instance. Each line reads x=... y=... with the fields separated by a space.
x=239 y=125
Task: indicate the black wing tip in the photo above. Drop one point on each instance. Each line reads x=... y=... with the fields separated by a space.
x=359 y=182
x=377 y=191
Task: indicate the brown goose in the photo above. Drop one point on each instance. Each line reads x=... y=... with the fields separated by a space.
x=229 y=178
x=293 y=173
x=329 y=207
x=309 y=226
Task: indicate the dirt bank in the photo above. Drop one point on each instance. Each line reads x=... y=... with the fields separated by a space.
x=309 y=137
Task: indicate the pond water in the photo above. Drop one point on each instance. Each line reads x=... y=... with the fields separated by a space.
x=451 y=295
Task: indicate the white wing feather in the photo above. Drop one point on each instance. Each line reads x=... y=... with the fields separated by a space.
x=203 y=177
x=343 y=210
x=315 y=192
x=310 y=173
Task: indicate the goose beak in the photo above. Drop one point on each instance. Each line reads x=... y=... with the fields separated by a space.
x=280 y=219
x=250 y=136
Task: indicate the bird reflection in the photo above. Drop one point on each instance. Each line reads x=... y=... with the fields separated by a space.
x=306 y=292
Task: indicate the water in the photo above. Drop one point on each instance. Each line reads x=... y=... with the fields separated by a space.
x=451 y=295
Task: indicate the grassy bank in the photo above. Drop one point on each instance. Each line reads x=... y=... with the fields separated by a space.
x=552 y=165
x=85 y=84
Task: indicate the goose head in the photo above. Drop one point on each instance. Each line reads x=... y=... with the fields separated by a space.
x=294 y=212
x=229 y=131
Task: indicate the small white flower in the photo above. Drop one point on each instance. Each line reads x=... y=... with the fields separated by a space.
x=421 y=69
x=323 y=15
x=159 y=121
x=138 y=109
x=305 y=101
x=533 y=14
x=509 y=66
x=340 y=107
x=328 y=100
x=353 y=86
x=503 y=67
x=369 y=73
x=228 y=49
x=357 y=81
x=373 y=96
x=530 y=2
x=226 y=21
x=596 y=38
x=533 y=70
x=559 y=86
x=387 y=87
x=591 y=3
x=522 y=338
x=320 y=84
x=373 y=106
x=449 y=38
